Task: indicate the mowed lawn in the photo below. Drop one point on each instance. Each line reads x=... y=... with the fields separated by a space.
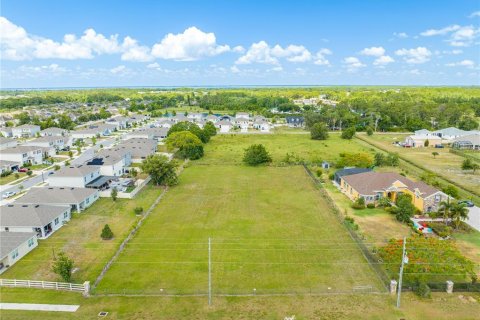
x=446 y=164
x=270 y=230
x=229 y=148
x=80 y=239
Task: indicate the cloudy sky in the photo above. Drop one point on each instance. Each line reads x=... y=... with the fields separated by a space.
x=179 y=43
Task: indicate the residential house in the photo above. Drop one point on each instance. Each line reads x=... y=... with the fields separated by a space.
x=469 y=142
x=77 y=198
x=295 y=121
x=23 y=155
x=93 y=131
x=243 y=123
x=242 y=115
x=138 y=118
x=6 y=143
x=14 y=246
x=25 y=131
x=6 y=132
x=56 y=142
x=224 y=126
x=41 y=219
x=179 y=117
x=74 y=176
x=195 y=116
x=419 y=141
x=6 y=165
x=119 y=122
x=112 y=162
x=164 y=123
x=212 y=118
x=139 y=149
x=53 y=132
x=373 y=186
x=347 y=172
x=262 y=125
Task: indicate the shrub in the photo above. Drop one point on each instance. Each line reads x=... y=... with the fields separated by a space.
x=440 y=229
x=426 y=143
x=6 y=173
x=319 y=131
x=369 y=131
x=114 y=194
x=451 y=191
x=348 y=133
x=384 y=202
x=423 y=290
x=331 y=176
x=63 y=266
x=371 y=205
x=57 y=167
x=359 y=204
x=138 y=210
x=256 y=154
x=350 y=223
x=29 y=172
x=17 y=175
x=107 y=233
x=319 y=172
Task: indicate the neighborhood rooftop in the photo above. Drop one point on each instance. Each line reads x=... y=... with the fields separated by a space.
x=75 y=171
x=9 y=241
x=29 y=215
x=57 y=195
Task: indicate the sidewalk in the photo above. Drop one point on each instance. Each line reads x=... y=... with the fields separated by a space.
x=39 y=307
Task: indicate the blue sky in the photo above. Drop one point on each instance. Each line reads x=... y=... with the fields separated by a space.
x=179 y=43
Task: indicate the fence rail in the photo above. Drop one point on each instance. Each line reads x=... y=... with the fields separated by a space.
x=15 y=283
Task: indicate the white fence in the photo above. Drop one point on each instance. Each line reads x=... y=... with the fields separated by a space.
x=14 y=283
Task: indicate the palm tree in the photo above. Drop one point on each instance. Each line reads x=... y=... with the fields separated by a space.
x=445 y=207
x=458 y=212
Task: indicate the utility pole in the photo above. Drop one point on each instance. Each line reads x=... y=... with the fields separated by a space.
x=404 y=260
x=209 y=272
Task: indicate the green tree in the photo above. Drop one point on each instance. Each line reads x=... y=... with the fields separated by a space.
x=188 y=145
x=458 y=212
x=191 y=127
x=369 y=131
x=445 y=208
x=210 y=129
x=379 y=159
x=114 y=194
x=256 y=154
x=162 y=171
x=319 y=131
x=348 y=133
x=107 y=233
x=451 y=191
x=404 y=209
x=467 y=164
x=426 y=143
x=63 y=266
x=133 y=172
x=392 y=160
x=70 y=154
x=435 y=154
x=29 y=172
x=468 y=124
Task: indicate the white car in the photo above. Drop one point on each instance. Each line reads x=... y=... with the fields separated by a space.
x=8 y=194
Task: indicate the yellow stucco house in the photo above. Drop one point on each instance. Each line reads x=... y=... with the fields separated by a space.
x=375 y=185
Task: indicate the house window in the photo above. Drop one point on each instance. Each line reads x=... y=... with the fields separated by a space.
x=30 y=242
x=438 y=198
x=56 y=221
x=87 y=201
x=65 y=215
x=15 y=254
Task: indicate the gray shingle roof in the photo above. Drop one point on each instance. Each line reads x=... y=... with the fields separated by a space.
x=55 y=195
x=29 y=215
x=75 y=171
x=9 y=241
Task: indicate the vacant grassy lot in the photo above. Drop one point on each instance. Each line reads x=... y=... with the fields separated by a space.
x=229 y=148
x=80 y=239
x=270 y=229
x=341 y=307
x=11 y=177
x=446 y=164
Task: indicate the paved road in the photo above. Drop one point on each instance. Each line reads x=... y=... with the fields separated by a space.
x=474 y=217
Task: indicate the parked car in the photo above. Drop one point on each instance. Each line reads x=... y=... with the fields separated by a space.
x=23 y=170
x=8 y=194
x=467 y=203
x=439 y=146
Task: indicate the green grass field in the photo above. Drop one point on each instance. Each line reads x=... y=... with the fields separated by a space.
x=229 y=148
x=80 y=239
x=270 y=230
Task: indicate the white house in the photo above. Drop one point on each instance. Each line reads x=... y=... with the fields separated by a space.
x=14 y=246
x=240 y=115
x=41 y=219
x=6 y=165
x=112 y=162
x=25 y=131
x=180 y=117
x=74 y=176
x=6 y=143
x=164 y=123
x=93 y=131
x=53 y=132
x=57 y=142
x=243 y=123
x=23 y=155
x=77 y=198
x=224 y=126
x=194 y=116
x=262 y=125
x=119 y=122
x=419 y=141
x=212 y=118
x=6 y=132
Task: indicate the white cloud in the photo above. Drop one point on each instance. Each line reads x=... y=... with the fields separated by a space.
x=118 y=70
x=415 y=72
x=238 y=49
x=463 y=63
x=190 y=45
x=261 y=52
x=373 y=51
x=437 y=32
x=320 y=58
x=415 y=56
x=353 y=63
x=383 y=60
x=474 y=14
x=153 y=65
x=234 y=69
x=401 y=35
x=135 y=52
